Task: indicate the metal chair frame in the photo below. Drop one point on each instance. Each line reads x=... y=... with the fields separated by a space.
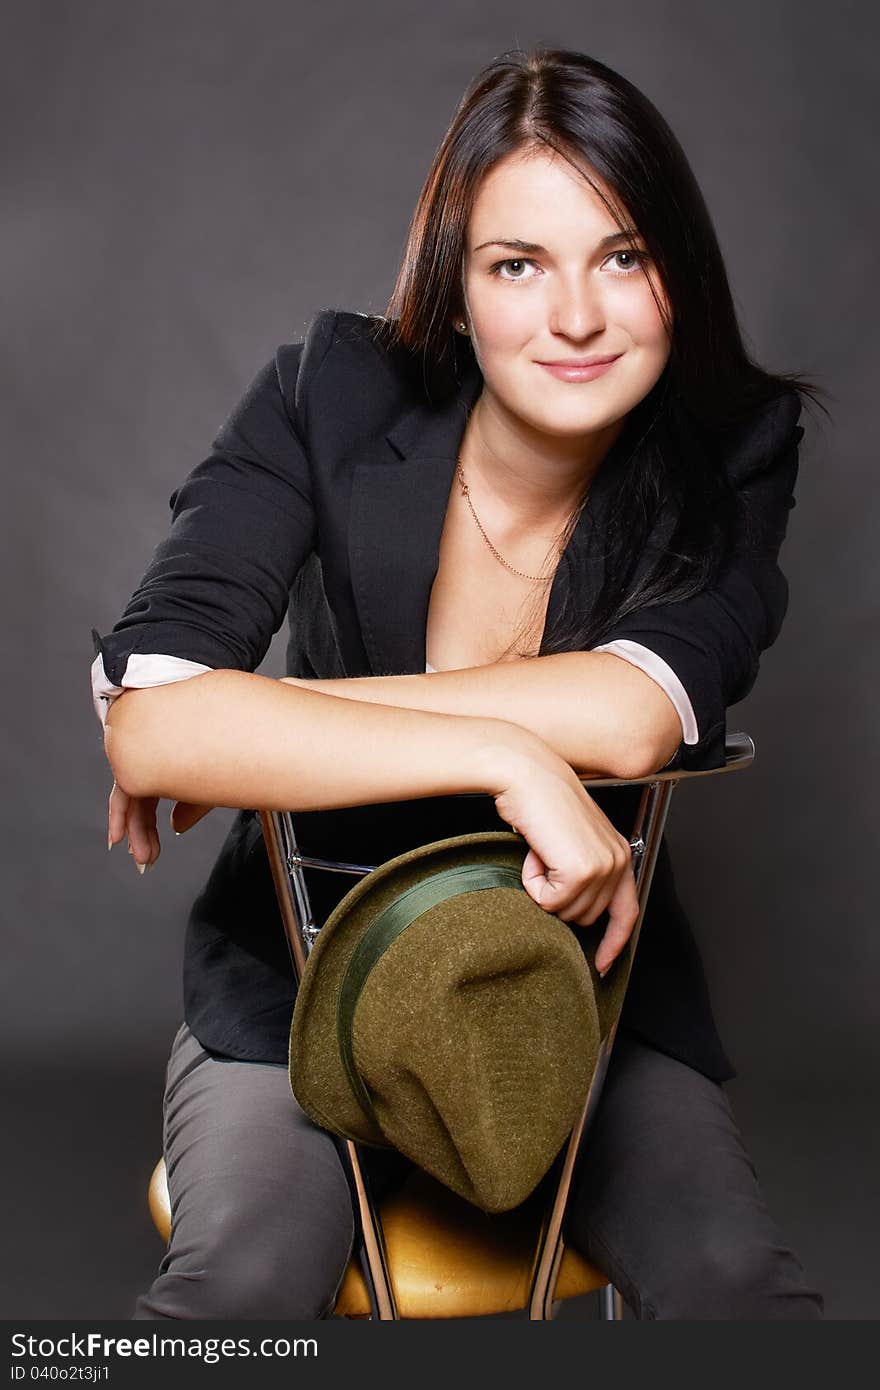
x=287 y=865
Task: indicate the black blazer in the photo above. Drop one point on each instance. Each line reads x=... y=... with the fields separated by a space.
x=323 y=497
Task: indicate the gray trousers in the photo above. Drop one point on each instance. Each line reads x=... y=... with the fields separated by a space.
x=668 y=1204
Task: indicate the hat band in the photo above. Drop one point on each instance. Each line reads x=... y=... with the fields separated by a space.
x=387 y=927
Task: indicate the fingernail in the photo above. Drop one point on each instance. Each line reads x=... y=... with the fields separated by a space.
x=603 y=973
x=140 y=867
x=109 y=842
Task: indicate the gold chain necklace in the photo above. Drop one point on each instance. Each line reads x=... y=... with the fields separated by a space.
x=560 y=545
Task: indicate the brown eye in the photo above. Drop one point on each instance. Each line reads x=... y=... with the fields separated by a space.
x=636 y=260
x=515 y=261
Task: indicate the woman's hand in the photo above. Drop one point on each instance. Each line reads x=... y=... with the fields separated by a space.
x=578 y=864
x=136 y=817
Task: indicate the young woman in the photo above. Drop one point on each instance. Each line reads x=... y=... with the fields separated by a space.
x=526 y=526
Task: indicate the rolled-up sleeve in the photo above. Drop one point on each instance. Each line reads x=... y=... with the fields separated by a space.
x=664 y=676
x=141 y=669
x=242 y=524
x=713 y=641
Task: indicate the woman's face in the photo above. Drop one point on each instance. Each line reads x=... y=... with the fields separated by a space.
x=564 y=295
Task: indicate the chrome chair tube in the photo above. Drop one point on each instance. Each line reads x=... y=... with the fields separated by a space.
x=610 y=1304
x=301 y=930
x=287 y=865
x=645 y=844
x=645 y=841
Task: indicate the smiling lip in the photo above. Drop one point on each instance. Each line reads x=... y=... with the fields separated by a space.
x=583 y=369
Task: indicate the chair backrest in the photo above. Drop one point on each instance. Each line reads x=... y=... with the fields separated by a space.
x=288 y=863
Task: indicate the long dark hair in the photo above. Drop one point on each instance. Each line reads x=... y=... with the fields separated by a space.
x=605 y=127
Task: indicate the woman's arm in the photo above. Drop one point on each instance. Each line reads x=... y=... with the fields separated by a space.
x=235 y=738
x=600 y=713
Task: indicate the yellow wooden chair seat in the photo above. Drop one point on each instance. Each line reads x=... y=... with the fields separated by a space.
x=446 y=1258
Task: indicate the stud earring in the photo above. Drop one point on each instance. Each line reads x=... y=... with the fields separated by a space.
x=461 y=326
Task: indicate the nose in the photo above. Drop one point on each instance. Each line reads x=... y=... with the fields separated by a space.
x=576 y=310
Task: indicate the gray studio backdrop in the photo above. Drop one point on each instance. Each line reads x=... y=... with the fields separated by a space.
x=187 y=185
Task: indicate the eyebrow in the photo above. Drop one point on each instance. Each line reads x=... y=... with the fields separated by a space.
x=514 y=244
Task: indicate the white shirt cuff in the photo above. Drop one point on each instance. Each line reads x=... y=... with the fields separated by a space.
x=141 y=669
x=661 y=672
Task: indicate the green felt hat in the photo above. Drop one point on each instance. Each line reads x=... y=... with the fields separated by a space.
x=444 y=1013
